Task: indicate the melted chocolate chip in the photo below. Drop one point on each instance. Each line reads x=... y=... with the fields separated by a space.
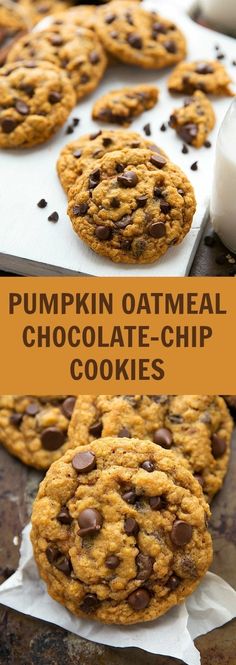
x=90 y=603
x=16 y=419
x=125 y=221
x=103 y=232
x=204 y=68
x=181 y=533
x=139 y=599
x=90 y=521
x=59 y=560
x=80 y=210
x=131 y=526
x=124 y=433
x=218 y=446
x=157 y=502
x=141 y=200
x=112 y=561
x=188 y=132
x=173 y=582
x=114 y=202
x=52 y=438
x=95 y=135
x=148 y=466
x=67 y=407
x=84 y=462
x=129 y=497
x=145 y=566
x=8 y=125
x=96 y=429
x=163 y=437
x=64 y=516
x=127 y=179
x=157 y=230
x=158 y=160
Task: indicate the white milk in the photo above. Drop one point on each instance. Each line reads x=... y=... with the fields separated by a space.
x=223 y=199
x=221 y=13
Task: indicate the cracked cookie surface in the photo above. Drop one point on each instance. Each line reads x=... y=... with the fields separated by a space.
x=139 y=37
x=76 y=50
x=133 y=207
x=34 y=429
x=210 y=77
x=36 y=99
x=194 y=120
x=119 y=531
x=197 y=428
x=122 y=105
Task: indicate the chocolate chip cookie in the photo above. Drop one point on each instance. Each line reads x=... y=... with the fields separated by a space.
x=210 y=77
x=139 y=37
x=36 y=99
x=197 y=428
x=76 y=50
x=194 y=120
x=39 y=9
x=119 y=531
x=132 y=207
x=13 y=23
x=122 y=105
x=76 y=156
x=34 y=429
x=83 y=15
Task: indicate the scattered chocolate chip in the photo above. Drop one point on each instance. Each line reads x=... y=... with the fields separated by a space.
x=145 y=566
x=220 y=56
x=163 y=437
x=218 y=446
x=139 y=599
x=135 y=40
x=207 y=144
x=77 y=153
x=188 y=132
x=131 y=526
x=173 y=582
x=80 y=210
x=8 y=125
x=112 y=561
x=54 y=217
x=185 y=149
x=94 y=58
x=103 y=232
x=75 y=121
x=32 y=409
x=21 y=107
x=209 y=241
x=148 y=466
x=42 y=203
x=16 y=419
x=96 y=429
x=90 y=603
x=147 y=129
x=84 y=462
x=163 y=127
x=67 y=407
x=129 y=497
x=124 y=433
x=158 y=160
x=90 y=521
x=181 y=533
x=157 y=502
x=64 y=516
x=157 y=230
x=127 y=179
x=194 y=166
x=69 y=129
x=170 y=46
x=95 y=135
x=114 y=202
x=204 y=68
x=52 y=438
x=54 y=97
x=141 y=200
x=234 y=63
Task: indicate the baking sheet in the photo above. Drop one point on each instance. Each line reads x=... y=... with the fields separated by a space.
x=29 y=244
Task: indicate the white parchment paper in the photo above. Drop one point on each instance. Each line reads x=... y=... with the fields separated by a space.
x=212 y=605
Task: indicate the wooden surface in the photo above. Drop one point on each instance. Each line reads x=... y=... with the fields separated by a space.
x=26 y=641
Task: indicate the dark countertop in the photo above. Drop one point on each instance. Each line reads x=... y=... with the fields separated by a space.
x=26 y=641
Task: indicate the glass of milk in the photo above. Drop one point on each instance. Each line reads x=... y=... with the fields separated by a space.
x=220 y=13
x=223 y=199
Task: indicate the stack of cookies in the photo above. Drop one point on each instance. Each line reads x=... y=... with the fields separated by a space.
x=119 y=526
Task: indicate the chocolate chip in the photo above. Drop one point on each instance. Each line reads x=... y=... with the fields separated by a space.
x=157 y=230
x=139 y=599
x=170 y=46
x=123 y=222
x=194 y=166
x=77 y=153
x=56 y=40
x=21 y=107
x=207 y=144
x=52 y=552
x=157 y=192
x=103 y=232
x=114 y=202
x=176 y=418
x=181 y=533
x=90 y=521
x=141 y=200
x=165 y=207
x=218 y=446
x=147 y=129
x=80 y=210
x=148 y=466
x=204 y=68
x=52 y=438
x=70 y=129
x=127 y=179
x=107 y=141
x=94 y=58
x=67 y=407
x=59 y=560
x=129 y=497
x=114 y=34
x=157 y=502
x=16 y=419
x=135 y=40
x=158 y=160
x=138 y=247
x=95 y=135
x=188 y=132
x=124 y=433
x=64 y=516
x=8 y=125
x=90 y=603
x=125 y=244
x=75 y=121
x=163 y=127
x=42 y=203
x=145 y=566
x=84 y=462
x=32 y=409
x=131 y=526
x=27 y=89
x=185 y=150
x=220 y=56
x=94 y=178
x=173 y=582
x=112 y=561
x=54 y=97
x=159 y=28
x=163 y=437
x=109 y=18
x=96 y=429
x=54 y=217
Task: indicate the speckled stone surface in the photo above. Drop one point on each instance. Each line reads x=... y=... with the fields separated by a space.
x=26 y=641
